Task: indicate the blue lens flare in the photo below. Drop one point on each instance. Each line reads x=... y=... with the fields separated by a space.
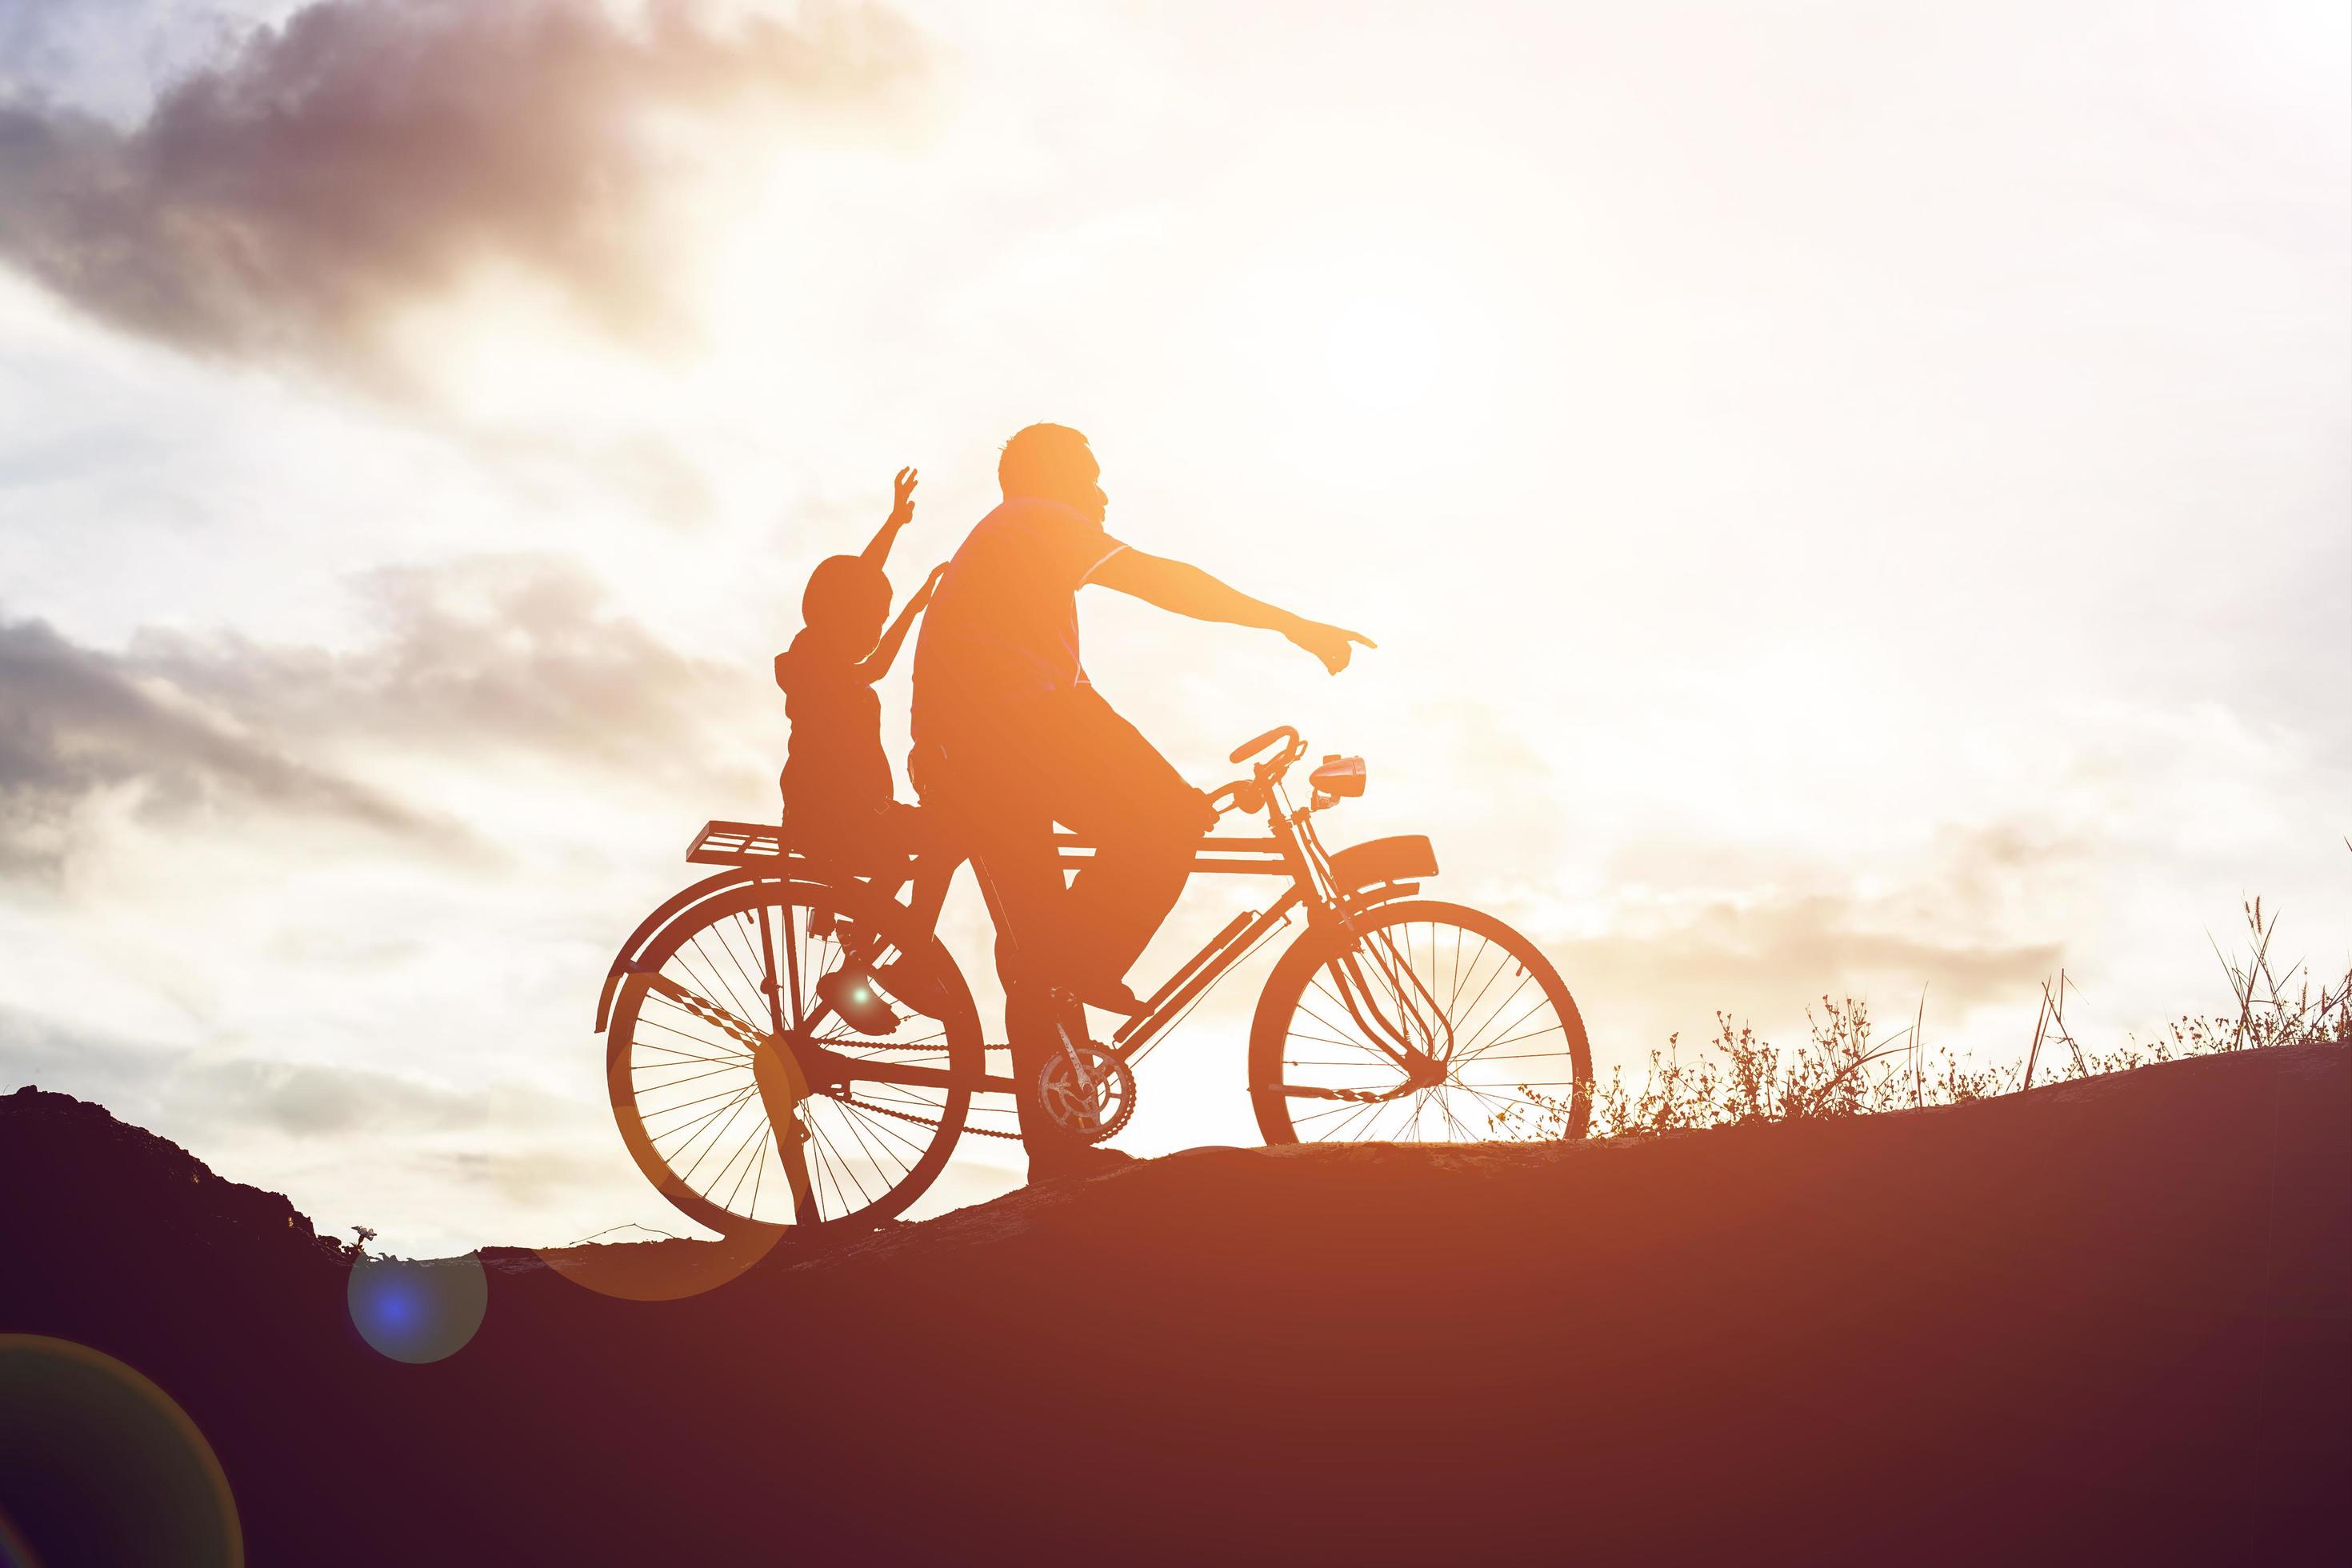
x=418 y=1310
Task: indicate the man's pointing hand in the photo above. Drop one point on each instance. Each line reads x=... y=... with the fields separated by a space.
x=1329 y=644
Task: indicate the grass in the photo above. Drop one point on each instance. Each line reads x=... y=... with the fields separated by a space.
x=1846 y=1069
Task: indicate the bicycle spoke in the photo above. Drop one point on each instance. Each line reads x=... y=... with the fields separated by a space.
x=732 y=1054
x=842 y=1167
x=1505 y=1002
x=747 y=1145
x=713 y=985
x=1452 y=990
x=857 y=1122
x=701 y=1008
x=703 y=1099
x=733 y=1096
x=727 y=932
x=691 y=1032
x=687 y=1174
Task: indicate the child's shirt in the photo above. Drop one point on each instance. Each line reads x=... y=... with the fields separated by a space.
x=834 y=762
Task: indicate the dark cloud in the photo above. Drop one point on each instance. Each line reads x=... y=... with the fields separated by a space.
x=527 y=1176
x=75 y=722
x=188 y=1092
x=514 y=661
x=368 y=153
x=310 y=1099
x=89 y=1063
x=497 y=656
x=513 y=1139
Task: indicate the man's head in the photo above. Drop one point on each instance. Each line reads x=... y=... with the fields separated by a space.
x=1055 y=463
x=846 y=601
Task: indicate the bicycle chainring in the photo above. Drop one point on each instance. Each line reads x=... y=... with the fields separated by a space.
x=1086 y=1090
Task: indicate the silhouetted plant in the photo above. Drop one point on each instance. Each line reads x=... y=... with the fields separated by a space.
x=1740 y=1079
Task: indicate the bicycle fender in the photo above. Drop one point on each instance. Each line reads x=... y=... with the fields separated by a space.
x=627 y=960
x=1379 y=869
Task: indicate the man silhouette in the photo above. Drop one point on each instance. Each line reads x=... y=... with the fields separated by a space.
x=1010 y=737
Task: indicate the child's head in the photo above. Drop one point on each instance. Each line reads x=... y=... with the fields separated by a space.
x=845 y=603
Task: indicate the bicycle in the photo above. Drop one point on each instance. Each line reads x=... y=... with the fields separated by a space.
x=754 y=1013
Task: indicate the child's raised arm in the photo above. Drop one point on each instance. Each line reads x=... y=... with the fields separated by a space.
x=877 y=663
x=902 y=511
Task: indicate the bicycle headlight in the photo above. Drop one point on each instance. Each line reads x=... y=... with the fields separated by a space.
x=1340 y=777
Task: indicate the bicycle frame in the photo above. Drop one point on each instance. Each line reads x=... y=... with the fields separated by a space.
x=823 y=1011
x=1292 y=849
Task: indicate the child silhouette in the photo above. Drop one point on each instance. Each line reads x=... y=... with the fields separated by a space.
x=839 y=804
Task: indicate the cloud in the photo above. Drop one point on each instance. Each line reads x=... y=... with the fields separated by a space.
x=1770 y=956
x=75 y=722
x=1976 y=912
x=107 y=55
x=514 y=656
x=352 y=1142
x=511 y=659
x=194 y=1092
x=363 y=154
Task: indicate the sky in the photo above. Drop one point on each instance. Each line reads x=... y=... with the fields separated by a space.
x=1852 y=500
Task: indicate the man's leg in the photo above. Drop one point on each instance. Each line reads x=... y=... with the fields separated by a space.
x=1106 y=783
x=990 y=806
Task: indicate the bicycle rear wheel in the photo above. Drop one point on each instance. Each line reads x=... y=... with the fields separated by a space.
x=1418 y=1022
x=738 y=1129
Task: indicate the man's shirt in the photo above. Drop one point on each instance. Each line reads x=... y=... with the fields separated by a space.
x=1003 y=625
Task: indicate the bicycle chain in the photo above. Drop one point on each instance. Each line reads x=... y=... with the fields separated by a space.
x=846 y=1097
x=919 y=1121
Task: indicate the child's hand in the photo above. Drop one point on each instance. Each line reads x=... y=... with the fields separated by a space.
x=930 y=584
x=902 y=499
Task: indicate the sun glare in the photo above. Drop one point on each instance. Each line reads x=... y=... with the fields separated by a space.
x=1386 y=353
x=1362 y=347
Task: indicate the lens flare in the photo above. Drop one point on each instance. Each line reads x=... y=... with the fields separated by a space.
x=418 y=1310
x=667 y=1269
x=99 y=1465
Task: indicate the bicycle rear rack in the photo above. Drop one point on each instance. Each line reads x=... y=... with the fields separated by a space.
x=756 y=844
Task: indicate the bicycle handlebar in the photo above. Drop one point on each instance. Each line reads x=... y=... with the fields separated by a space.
x=1249 y=749
x=1242 y=794
x=1266 y=770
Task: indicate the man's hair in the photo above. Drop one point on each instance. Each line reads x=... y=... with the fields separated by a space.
x=1042 y=461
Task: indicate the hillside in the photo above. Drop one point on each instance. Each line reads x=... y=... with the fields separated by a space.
x=2103 y=1318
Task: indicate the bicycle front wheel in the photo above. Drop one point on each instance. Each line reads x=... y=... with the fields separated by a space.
x=1418 y=1022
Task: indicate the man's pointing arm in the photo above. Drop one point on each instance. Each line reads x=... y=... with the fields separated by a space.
x=1188 y=591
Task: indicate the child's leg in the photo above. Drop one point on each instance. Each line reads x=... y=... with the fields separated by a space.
x=932 y=868
x=892 y=848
